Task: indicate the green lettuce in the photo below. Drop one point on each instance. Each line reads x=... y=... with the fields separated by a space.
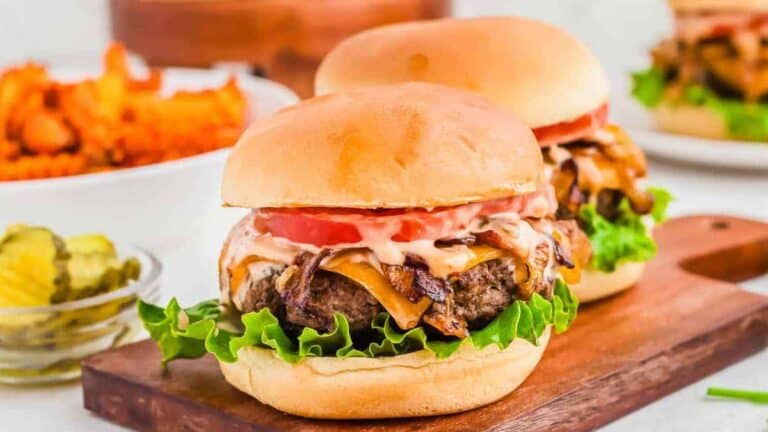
x=661 y=200
x=748 y=121
x=201 y=329
x=648 y=86
x=626 y=238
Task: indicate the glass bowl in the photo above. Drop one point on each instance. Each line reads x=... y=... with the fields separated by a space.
x=45 y=344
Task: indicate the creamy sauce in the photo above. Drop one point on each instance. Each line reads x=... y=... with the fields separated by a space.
x=245 y=241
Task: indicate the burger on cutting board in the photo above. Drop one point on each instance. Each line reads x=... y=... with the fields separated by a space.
x=558 y=87
x=710 y=78
x=401 y=258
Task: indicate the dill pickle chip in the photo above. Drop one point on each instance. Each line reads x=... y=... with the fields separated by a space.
x=86 y=274
x=94 y=267
x=32 y=267
x=89 y=244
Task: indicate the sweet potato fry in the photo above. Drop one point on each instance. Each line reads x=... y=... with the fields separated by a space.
x=45 y=133
x=116 y=120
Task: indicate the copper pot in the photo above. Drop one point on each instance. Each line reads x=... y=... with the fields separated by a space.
x=284 y=40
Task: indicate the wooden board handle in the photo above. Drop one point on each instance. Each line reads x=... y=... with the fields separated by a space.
x=726 y=248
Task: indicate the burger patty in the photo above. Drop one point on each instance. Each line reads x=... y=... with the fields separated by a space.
x=477 y=296
x=329 y=293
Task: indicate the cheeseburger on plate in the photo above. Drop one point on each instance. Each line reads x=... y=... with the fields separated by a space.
x=401 y=258
x=710 y=78
x=558 y=87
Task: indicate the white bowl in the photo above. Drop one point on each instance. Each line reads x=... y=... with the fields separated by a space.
x=154 y=206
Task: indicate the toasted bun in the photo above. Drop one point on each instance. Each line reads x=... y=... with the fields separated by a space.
x=690 y=120
x=596 y=284
x=408 y=145
x=718 y=5
x=533 y=69
x=409 y=385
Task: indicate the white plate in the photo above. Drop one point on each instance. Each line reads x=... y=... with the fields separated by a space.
x=155 y=206
x=681 y=148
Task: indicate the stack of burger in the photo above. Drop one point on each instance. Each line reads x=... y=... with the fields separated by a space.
x=710 y=78
x=558 y=87
x=402 y=258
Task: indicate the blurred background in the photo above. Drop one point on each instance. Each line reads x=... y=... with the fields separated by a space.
x=618 y=31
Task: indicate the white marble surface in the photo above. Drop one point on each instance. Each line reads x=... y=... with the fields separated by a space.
x=617 y=30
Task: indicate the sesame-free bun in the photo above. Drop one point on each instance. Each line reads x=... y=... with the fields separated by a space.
x=719 y=5
x=395 y=146
x=595 y=284
x=536 y=70
x=690 y=120
x=409 y=385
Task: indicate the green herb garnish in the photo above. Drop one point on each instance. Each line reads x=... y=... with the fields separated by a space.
x=745 y=395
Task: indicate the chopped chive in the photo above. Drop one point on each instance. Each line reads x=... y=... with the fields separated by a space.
x=747 y=395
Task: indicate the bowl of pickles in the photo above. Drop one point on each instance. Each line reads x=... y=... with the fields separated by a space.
x=65 y=298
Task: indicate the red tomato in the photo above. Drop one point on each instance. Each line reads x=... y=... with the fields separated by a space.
x=583 y=126
x=332 y=226
x=303 y=228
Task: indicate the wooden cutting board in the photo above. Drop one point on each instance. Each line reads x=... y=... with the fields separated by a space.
x=684 y=320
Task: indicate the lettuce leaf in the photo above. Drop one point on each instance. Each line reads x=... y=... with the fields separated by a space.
x=193 y=332
x=199 y=320
x=626 y=238
x=661 y=200
x=747 y=121
x=648 y=86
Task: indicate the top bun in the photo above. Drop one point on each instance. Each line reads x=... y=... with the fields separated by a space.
x=397 y=146
x=534 y=69
x=718 y=5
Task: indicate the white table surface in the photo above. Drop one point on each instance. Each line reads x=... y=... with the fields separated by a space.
x=190 y=275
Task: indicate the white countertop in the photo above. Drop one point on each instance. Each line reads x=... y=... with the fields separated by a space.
x=190 y=275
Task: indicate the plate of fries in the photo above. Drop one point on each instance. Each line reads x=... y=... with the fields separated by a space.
x=127 y=150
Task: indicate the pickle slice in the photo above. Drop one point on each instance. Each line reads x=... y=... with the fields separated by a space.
x=89 y=244
x=32 y=267
x=94 y=267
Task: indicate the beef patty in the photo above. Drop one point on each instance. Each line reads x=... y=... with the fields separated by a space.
x=477 y=296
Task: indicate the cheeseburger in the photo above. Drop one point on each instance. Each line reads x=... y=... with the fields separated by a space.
x=558 y=87
x=401 y=258
x=710 y=78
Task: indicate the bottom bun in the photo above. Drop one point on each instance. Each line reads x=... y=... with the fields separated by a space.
x=408 y=385
x=596 y=284
x=691 y=120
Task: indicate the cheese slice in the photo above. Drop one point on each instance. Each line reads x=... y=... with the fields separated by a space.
x=483 y=254
x=238 y=273
x=405 y=313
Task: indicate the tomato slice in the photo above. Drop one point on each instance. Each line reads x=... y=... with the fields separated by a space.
x=334 y=226
x=304 y=228
x=581 y=127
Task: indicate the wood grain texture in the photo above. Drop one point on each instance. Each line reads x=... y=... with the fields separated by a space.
x=681 y=322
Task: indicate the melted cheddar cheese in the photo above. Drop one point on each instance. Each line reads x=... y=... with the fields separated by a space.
x=405 y=313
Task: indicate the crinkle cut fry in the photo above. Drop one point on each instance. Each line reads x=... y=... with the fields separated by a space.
x=116 y=120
